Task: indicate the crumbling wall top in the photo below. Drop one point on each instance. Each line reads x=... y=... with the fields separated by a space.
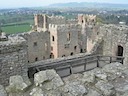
x=14 y=44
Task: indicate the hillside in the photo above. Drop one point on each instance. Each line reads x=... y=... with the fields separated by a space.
x=90 y=5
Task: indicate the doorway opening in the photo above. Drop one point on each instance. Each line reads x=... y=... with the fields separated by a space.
x=51 y=55
x=120 y=51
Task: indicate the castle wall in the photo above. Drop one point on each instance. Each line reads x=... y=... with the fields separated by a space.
x=38 y=45
x=43 y=21
x=13 y=59
x=115 y=36
x=66 y=39
x=69 y=44
x=89 y=31
x=87 y=19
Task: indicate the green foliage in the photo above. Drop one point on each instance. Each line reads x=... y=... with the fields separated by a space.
x=99 y=20
x=16 y=29
x=14 y=18
x=16 y=23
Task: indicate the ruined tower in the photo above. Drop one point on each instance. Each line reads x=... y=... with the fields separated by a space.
x=82 y=33
x=89 y=31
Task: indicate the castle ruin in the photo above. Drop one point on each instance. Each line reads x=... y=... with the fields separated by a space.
x=55 y=37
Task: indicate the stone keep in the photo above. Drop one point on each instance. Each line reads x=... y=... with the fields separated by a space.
x=64 y=40
x=13 y=57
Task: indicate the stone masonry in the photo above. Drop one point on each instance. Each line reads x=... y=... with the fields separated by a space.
x=111 y=80
x=38 y=45
x=64 y=37
x=115 y=40
x=13 y=57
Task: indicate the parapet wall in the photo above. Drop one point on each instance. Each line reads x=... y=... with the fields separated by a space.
x=64 y=26
x=57 y=20
x=13 y=57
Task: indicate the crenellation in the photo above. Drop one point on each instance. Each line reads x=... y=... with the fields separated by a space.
x=54 y=26
x=69 y=26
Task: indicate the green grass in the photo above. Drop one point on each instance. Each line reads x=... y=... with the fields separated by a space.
x=31 y=22
x=16 y=29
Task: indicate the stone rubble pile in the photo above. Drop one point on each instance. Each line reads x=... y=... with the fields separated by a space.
x=111 y=80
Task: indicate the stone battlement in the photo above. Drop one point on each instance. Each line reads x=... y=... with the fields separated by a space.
x=56 y=17
x=64 y=26
x=53 y=26
x=87 y=16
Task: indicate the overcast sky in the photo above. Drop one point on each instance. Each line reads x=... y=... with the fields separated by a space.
x=39 y=3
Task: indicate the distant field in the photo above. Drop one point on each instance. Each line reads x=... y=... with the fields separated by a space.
x=16 y=29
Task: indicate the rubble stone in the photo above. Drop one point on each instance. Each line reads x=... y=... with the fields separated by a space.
x=16 y=84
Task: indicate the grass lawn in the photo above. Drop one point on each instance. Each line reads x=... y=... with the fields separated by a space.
x=16 y=29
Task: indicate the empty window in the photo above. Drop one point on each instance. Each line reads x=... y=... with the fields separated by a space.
x=35 y=44
x=81 y=50
x=71 y=53
x=36 y=59
x=75 y=47
x=82 y=21
x=53 y=38
x=68 y=36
